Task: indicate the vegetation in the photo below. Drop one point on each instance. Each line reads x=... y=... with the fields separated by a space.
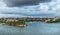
x=19 y=21
x=22 y=21
x=1 y=21
x=56 y=21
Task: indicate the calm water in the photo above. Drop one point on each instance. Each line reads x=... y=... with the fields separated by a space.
x=33 y=28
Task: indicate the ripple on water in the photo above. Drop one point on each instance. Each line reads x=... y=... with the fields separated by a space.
x=32 y=28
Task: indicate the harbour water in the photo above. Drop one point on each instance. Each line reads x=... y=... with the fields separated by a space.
x=32 y=28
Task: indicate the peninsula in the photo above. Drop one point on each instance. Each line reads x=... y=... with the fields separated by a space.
x=21 y=21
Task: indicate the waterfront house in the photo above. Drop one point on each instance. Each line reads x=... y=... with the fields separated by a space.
x=48 y=20
x=56 y=18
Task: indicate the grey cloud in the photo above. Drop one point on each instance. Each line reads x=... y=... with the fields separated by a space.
x=13 y=3
x=25 y=14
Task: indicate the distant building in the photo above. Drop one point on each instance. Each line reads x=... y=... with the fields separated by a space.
x=48 y=20
x=56 y=18
x=11 y=20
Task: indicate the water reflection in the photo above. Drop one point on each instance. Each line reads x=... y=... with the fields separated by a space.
x=33 y=28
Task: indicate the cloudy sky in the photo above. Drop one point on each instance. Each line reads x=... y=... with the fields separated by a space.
x=18 y=8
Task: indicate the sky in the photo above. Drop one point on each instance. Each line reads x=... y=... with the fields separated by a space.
x=19 y=8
